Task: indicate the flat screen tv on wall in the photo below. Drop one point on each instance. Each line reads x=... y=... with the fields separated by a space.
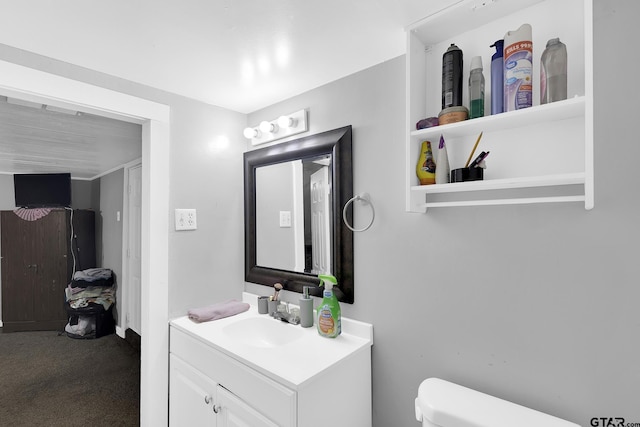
x=47 y=190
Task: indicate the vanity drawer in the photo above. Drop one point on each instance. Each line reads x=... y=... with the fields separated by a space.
x=273 y=400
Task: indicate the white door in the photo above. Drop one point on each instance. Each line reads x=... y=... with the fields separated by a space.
x=320 y=223
x=234 y=412
x=134 y=249
x=191 y=396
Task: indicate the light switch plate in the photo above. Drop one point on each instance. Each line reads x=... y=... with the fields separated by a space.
x=285 y=219
x=186 y=219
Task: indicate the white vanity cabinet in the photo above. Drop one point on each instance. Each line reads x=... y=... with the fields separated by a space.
x=219 y=379
x=192 y=393
x=537 y=155
x=236 y=413
x=198 y=401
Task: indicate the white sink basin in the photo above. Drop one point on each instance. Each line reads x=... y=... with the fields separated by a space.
x=263 y=332
x=289 y=354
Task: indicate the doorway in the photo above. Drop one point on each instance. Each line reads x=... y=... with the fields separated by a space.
x=38 y=86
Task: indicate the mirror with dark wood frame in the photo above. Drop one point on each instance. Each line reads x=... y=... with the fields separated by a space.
x=289 y=239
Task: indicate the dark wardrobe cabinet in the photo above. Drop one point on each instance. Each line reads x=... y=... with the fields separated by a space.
x=38 y=264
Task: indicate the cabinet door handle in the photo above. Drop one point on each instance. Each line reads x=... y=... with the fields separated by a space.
x=208 y=399
x=217 y=408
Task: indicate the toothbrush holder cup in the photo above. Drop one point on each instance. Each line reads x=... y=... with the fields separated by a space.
x=263 y=305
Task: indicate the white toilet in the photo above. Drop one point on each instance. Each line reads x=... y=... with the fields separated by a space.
x=444 y=404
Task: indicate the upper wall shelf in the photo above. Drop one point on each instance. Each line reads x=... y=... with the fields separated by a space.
x=538 y=155
x=512 y=120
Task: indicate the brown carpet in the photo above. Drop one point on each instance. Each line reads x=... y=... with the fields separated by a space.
x=47 y=379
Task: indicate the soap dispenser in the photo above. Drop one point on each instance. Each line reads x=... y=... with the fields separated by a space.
x=306 y=309
x=329 y=317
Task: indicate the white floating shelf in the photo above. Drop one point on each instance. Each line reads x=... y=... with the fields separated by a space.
x=494 y=202
x=562 y=110
x=502 y=184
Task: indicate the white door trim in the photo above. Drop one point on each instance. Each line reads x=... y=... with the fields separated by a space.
x=37 y=86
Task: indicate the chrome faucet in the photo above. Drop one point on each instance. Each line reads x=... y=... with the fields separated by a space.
x=287 y=314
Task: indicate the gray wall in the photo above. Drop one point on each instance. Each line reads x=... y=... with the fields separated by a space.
x=81 y=194
x=95 y=205
x=536 y=304
x=206 y=265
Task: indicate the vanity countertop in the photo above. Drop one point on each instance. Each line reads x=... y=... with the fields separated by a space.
x=292 y=362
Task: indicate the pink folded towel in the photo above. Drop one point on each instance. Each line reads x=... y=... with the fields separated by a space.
x=218 y=311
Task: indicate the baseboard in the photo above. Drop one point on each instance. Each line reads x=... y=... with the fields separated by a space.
x=120 y=332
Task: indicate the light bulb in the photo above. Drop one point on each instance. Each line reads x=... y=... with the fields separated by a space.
x=286 y=122
x=268 y=127
x=251 y=133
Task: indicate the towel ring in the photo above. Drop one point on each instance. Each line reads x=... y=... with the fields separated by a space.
x=364 y=197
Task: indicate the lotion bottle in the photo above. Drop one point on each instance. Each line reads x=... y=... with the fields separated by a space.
x=426 y=167
x=306 y=309
x=497 y=78
x=329 y=316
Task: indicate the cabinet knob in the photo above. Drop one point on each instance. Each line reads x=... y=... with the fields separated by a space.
x=208 y=399
x=217 y=408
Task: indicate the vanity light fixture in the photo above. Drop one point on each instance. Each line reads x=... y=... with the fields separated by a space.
x=283 y=126
x=268 y=127
x=286 y=122
x=251 y=133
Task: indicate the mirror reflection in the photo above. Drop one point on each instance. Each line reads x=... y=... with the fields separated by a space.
x=293 y=215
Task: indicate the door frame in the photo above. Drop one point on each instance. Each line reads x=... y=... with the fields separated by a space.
x=37 y=86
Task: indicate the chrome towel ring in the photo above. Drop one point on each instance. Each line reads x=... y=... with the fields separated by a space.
x=363 y=197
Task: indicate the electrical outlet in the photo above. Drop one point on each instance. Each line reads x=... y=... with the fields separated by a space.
x=186 y=219
x=285 y=218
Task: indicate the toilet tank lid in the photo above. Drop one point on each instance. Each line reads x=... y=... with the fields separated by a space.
x=451 y=405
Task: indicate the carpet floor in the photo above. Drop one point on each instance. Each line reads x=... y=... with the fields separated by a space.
x=47 y=379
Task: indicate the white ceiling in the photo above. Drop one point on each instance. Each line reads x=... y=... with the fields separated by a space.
x=36 y=140
x=242 y=55
x=239 y=54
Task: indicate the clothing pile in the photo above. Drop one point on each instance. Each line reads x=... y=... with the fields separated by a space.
x=90 y=294
x=94 y=285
